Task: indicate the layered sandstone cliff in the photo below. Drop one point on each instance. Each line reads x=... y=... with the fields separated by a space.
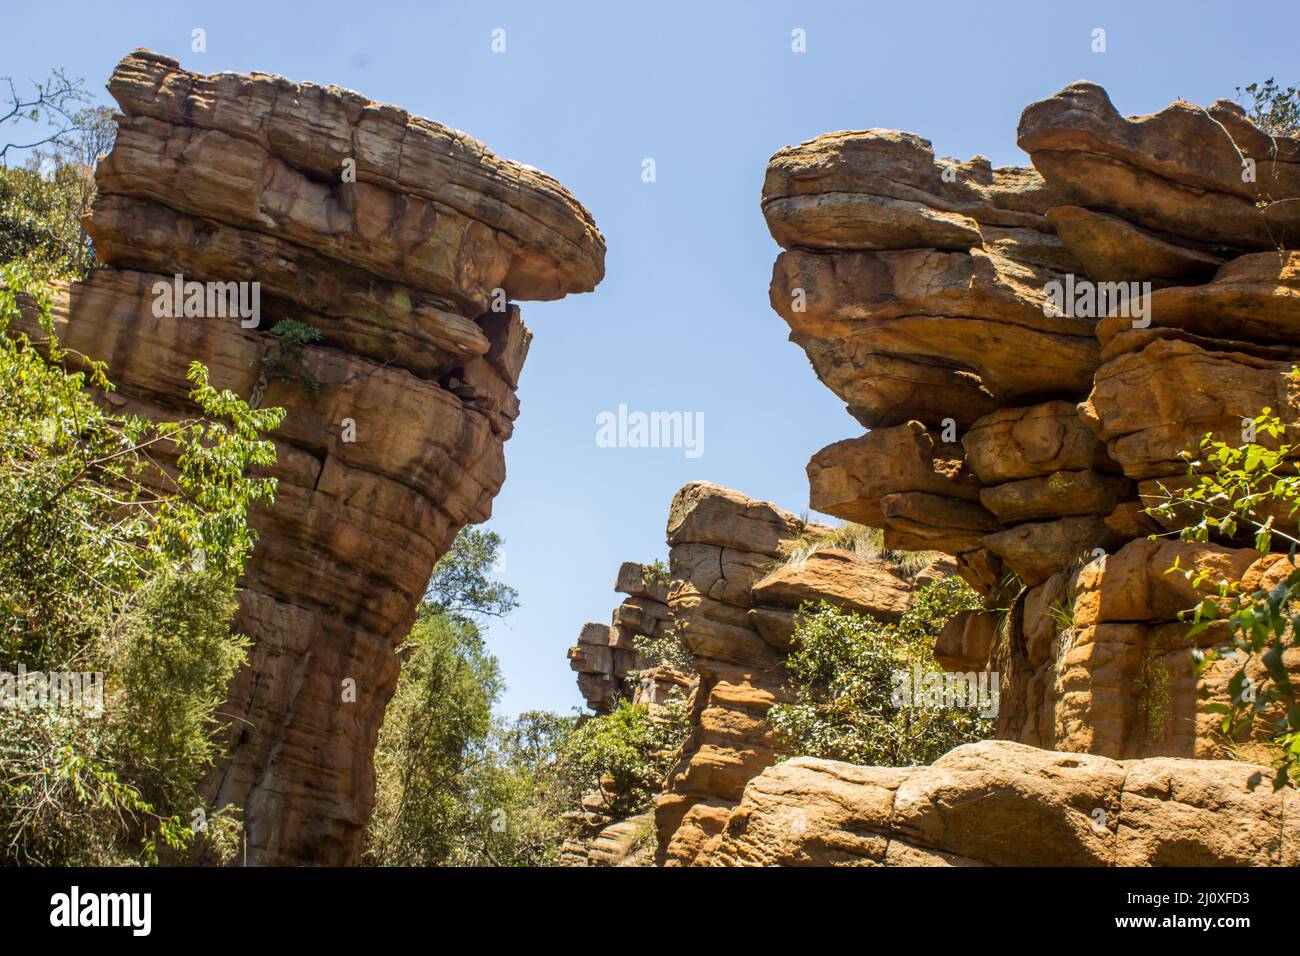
x=1037 y=354
x=1016 y=422
x=403 y=242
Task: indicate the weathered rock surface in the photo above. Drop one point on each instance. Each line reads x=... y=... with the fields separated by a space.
x=967 y=641
x=999 y=803
x=722 y=544
x=239 y=178
x=736 y=586
x=1181 y=172
x=621 y=843
x=606 y=656
x=850 y=478
x=1027 y=439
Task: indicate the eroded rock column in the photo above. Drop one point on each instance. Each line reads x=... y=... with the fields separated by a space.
x=404 y=243
x=734 y=596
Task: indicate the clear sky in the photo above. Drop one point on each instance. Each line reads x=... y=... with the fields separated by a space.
x=709 y=90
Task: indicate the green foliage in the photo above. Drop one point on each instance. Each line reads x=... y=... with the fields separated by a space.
x=658 y=573
x=40 y=218
x=454 y=784
x=517 y=797
x=171 y=655
x=627 y=753
x=461 y=584
x=285 y=359
x=83 y=790
x=120 y=543
x=441 y=710
x=1255 y=487
x=664 y=651
x=843 y=668
x=42 y=202
x=1246 y=487
x=1273 y=108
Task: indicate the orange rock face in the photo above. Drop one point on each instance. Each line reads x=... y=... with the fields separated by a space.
x=998 y=803
x=403 y=243
x=1026 y=403
x=734 y=593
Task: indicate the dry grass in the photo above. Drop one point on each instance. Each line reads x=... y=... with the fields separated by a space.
x=867 y=544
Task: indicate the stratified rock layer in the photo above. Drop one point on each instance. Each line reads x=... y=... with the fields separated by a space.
x=406 y=269
x=1011 y=426
x=606 y=654
x=734 y=595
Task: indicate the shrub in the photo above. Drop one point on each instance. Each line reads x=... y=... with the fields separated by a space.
x=844 y=669
x=1253 y=487
x=627 y=753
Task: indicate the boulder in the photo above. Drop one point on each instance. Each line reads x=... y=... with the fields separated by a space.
x=1204 y=174
x=999 y=803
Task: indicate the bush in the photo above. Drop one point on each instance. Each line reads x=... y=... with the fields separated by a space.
x=844 y=669
x=627 y=753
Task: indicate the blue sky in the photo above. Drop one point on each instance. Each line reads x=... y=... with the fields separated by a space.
x=586 y=91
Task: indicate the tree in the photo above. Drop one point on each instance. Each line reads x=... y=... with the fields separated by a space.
x=1274 y=109
x=440 y=713
x=517 y=795
x=51 y=105
x=43 y=201
x=461 y=585
x=456 y=785
x=121 y=540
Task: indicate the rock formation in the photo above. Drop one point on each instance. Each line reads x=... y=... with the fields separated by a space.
x=736 y=576
x=610 y=670
x=608 y=840
x=606 y=654
x=1037 y=353
x=402 y=242
x=1006 y=804
x=721 y=544
x=1024 y=428
x=733 y=598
